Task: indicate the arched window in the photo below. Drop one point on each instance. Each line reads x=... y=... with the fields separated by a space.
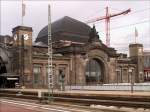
x=37 y=74
x=93 y=72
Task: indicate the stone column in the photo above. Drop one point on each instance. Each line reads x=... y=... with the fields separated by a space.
x=57 y=75
x=44 y=73
x=80 y=70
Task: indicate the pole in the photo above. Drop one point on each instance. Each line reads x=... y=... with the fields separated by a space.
x=75 y=66
x=136 y=35
x=130 y=74
x=107 y=22
x=22 y=59
x=0 y=18
x=135 y=39
x=50 y=65
x=22 y=14
x=131 y=82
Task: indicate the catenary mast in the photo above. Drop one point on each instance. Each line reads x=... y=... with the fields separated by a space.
x=50 y=53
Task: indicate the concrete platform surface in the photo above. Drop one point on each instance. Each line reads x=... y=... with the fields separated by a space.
x=81 y=92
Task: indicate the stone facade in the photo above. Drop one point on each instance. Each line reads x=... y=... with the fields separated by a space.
x=146 y=66
x=88 y=62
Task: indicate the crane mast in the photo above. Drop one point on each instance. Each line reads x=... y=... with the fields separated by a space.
x=107 y=18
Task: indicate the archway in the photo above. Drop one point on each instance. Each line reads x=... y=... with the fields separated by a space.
x=7 y=80
x=94 y=72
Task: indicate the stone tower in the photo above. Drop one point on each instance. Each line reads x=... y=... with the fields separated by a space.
x=136 y=55
x=23 y=54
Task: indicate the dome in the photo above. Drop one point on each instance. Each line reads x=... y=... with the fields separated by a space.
x=66 y=28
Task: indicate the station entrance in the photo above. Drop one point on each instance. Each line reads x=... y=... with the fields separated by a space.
x=94 y=72
x=7 y=80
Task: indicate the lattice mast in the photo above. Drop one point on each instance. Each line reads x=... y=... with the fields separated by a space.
x=50 y=53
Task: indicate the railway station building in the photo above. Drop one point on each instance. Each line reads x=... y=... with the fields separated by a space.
x=78 y=54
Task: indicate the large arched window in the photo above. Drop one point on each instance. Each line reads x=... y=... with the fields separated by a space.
x=93 y=72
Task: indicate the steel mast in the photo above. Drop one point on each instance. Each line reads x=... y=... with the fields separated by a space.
x=50 y=56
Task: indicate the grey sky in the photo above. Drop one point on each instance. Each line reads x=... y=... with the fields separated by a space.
x=122 y=27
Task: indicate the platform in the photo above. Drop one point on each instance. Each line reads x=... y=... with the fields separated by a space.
x=80 y=92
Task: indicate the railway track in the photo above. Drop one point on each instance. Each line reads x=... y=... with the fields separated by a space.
x=87 y=100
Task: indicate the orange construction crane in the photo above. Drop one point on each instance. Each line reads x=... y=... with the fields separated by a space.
x=107 y=22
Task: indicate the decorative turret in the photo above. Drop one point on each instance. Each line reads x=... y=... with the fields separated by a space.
x=136 y=54
x=93 y=35
x=23 y=53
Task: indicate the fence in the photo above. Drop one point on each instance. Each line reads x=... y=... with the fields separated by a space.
x=111 y=87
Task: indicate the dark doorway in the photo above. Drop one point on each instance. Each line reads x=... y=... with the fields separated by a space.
x=2 y=67
x=7 y=81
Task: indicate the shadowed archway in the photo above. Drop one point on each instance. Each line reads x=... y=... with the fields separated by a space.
x=94 y=72
x=2 y=66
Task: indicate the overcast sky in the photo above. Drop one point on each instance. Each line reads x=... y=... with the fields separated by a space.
x=122 y=27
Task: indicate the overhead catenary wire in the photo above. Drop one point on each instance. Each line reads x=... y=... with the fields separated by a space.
x=132 y=12
x=96 y=12
x=129 y=14
x=141 y=10
x=107 y=18
x=118 y=27
x=129 y=25
x=145 y=21
x=136 y=12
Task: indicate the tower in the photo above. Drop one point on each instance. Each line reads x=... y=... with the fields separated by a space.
x=136 y=55
x=22 y=36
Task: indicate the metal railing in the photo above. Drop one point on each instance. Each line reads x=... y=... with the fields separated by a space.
x=111 y=87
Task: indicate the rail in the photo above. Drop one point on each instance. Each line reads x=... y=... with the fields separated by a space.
x=109 y=100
